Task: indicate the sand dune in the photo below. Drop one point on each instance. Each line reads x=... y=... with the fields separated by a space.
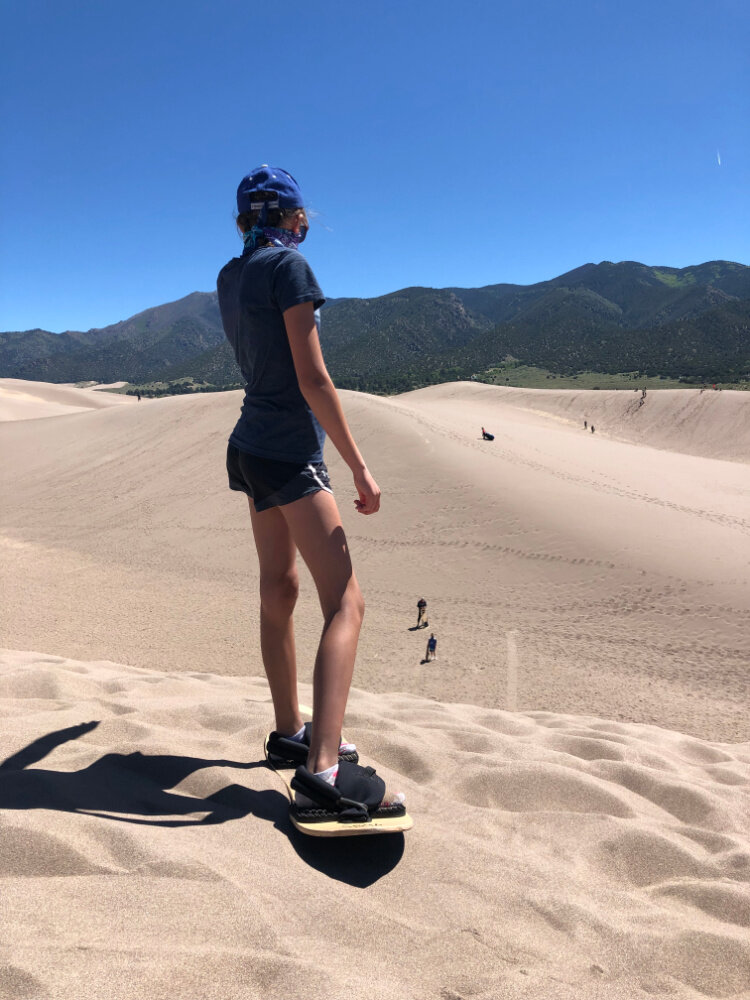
x=619 y=571
x=148 y=853
x=24 y=400
x=712 y=424
x=576 y=759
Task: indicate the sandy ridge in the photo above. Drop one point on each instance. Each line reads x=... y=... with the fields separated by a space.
x=21 y=399
x=552 y=852
x=576 y=759
x=708 y=423
x=609 y=560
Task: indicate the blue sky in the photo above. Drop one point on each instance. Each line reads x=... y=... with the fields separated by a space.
x=442 y=144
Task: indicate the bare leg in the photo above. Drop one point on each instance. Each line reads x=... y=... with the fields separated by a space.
x=278 y=595
x=315 y=526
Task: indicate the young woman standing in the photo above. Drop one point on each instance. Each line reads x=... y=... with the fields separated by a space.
x=269 y=301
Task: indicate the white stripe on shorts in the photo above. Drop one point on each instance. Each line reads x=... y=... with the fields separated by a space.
x=318 y=480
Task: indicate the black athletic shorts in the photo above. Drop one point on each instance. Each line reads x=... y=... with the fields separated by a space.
x=271 y=483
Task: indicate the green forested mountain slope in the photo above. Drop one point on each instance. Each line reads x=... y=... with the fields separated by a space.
x=605 y=317
x=133 y=349
x=567 y=335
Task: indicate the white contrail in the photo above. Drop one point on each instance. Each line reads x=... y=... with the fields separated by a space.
x=317 y=217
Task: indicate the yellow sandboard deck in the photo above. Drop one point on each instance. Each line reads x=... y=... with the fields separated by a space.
x=337 y=828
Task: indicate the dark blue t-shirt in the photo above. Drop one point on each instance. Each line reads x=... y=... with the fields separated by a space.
x=254 y=291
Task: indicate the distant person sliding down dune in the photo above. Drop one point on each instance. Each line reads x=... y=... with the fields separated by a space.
x=487 y=436
x=269 y=301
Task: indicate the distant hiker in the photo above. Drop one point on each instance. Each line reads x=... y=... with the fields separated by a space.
x=139 y=396
x=268 y=299
x=487 y=436
x=421 y=612
x=585 y=424
x=430 y=653
x=592 y=428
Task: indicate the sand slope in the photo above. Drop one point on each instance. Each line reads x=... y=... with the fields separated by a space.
x=21 y=399
x=148 y=854
x=577 y=758
x=621 y=573
x=713 y=424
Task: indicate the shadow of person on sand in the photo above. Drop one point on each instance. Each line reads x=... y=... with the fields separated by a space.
x=130 y=785
x=136 y=785
x=358 y=861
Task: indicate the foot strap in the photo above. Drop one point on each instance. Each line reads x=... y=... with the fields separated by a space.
x=295 y=751
x=288 y=749
x=358 y=791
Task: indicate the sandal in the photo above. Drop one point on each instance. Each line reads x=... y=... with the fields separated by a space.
x=356 y=797
x=284 y=751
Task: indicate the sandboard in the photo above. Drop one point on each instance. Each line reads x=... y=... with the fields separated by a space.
x=336 y=828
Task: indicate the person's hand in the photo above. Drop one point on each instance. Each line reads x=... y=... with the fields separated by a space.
x=368 y=501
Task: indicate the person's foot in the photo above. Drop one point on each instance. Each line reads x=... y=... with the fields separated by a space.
x=294 y=749
x=389 y=799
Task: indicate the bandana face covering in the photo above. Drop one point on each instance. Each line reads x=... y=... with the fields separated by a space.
x=278 y=237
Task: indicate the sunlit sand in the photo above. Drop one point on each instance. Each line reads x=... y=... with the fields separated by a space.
x=576 y=759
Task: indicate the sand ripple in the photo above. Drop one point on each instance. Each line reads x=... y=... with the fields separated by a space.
x=145 y=850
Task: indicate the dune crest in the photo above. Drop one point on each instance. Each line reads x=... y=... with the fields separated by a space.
x=576 y=758
x=145 y=845
x=619 y=571
x=21 y=399
x=702 y=422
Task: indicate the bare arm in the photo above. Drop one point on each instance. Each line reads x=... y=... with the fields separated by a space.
x=321 y=396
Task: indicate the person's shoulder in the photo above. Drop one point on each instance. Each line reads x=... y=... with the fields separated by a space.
x=271 y=252
x=294 y=279
x=288 y=258
x=229 y=268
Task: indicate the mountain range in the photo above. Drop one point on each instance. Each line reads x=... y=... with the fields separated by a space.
x=691 y=322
